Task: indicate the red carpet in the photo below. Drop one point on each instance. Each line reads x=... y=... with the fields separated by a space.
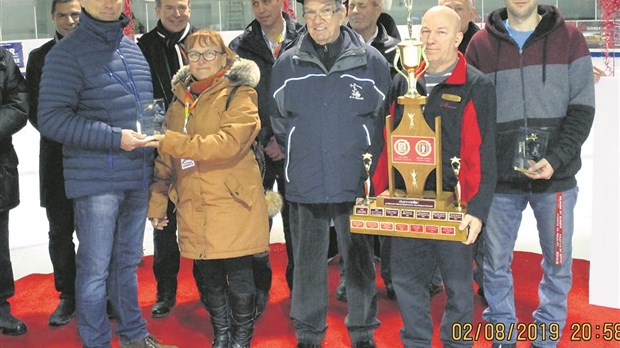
x=188 y=326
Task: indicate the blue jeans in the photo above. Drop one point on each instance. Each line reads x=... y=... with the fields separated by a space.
x=110 y=230
x=310 y=236
x=500 y=235
x=414 y=264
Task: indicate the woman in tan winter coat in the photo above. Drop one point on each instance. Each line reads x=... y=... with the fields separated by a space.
x=207 y=168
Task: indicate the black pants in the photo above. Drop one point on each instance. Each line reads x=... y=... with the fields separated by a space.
x=59 y=210
x=234 y=274
x=166 y=257
x=61 y=246
x=309 y=304
x=413 y=263
x=7 y=283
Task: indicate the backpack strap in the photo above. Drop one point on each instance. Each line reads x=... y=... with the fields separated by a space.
x=232 y=93
x=257 y=148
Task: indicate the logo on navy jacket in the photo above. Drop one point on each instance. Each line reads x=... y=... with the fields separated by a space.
x=355 y=91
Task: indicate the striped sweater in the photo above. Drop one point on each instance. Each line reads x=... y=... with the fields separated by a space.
x=547 y=84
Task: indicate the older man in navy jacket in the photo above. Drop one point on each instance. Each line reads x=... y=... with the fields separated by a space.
x=329 y=91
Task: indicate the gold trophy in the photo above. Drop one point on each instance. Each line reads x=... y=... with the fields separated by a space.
x=414 y=151
x=410 y=53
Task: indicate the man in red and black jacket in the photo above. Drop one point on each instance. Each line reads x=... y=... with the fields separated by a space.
x=465 y=100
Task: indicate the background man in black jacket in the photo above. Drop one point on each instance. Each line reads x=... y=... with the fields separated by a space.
x=164 y=50
x=270 y=33
x=13 y=117
x=366 y=18
x=59 y=209
x=467 y=12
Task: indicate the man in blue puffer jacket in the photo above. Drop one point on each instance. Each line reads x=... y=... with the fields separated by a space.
x=94 y=84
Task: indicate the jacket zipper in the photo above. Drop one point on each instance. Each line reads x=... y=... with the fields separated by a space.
x=523 y=102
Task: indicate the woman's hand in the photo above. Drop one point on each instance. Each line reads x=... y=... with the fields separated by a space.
x=159 y=223
x=154 y=140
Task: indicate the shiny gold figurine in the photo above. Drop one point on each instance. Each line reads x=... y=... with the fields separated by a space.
x=367 y=159
x=455 y=163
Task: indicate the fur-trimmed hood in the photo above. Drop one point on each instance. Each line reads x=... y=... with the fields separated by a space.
x=243 y=72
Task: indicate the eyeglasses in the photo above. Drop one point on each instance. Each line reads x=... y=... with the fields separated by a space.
x=325 y=14
x=209 y=55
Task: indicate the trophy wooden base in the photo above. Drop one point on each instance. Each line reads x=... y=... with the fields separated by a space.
x=401 y=216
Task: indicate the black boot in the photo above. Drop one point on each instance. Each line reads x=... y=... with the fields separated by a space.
x=63 y=313
x=9 y=325
x=261 y=267
x=242 y=307
x=216 y=301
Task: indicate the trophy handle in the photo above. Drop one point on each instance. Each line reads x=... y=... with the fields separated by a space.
x=409 y=76
x=396 y=65
x=423 y=58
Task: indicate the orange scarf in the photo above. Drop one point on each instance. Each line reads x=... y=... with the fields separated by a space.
x=197 y=87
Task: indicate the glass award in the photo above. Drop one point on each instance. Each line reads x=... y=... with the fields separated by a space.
x=151 y=116
x=530 y=147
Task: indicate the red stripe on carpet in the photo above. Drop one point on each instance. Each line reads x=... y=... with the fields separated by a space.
x=188 y=326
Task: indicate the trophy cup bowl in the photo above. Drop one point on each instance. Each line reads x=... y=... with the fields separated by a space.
x=409 y=54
